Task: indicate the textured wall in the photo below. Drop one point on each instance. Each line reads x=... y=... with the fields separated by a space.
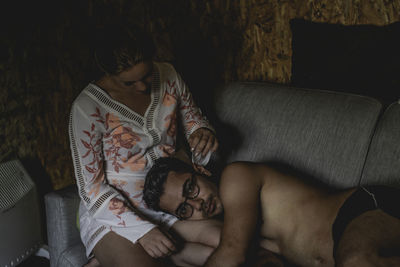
x=45 y=55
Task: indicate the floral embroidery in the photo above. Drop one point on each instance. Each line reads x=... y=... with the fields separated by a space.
x=118 y=184
x=95 y=167
x=136 y=199
x=167 y=150
x=171 y=124
x=191 y=114
x=170 y=97
x=121 y=137
x=135 y=162
x=117 y=207
x=112 y=121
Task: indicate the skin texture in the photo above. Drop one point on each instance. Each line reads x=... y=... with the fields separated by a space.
x=202 y=141
x=132 y=88
x=114 y=250
x=293 y=218
x=206 y=205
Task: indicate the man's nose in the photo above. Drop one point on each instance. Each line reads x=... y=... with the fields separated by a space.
x=197 y=203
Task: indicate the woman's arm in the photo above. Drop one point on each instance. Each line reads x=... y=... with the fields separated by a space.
x=85 y=133
x=198 y=131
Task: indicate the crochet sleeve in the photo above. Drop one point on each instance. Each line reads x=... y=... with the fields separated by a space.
x=191 y=115
x=103 y=202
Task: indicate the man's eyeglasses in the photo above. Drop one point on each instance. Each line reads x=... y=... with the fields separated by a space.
x=190 y=191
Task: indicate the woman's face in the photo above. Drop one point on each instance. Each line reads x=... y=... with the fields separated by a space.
x=137 y=78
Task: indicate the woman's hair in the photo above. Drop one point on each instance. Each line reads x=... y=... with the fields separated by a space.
x=156 y=177
x=118 y=48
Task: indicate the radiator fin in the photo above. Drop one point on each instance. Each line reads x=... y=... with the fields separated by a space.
x=14 y=184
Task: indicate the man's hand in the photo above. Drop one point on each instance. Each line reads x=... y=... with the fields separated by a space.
x=202 y=141
x=157 y=244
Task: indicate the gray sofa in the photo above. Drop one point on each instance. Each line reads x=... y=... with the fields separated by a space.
x=342 y=140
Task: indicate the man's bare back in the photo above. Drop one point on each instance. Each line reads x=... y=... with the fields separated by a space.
x=297 y=215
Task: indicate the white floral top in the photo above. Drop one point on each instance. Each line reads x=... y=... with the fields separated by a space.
x=113 y=148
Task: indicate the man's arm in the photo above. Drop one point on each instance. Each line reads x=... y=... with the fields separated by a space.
x=200 y=238
x=206 y=232
x=240 y=194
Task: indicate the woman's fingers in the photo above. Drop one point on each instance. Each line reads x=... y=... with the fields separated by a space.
x=202 y=141
x=215 y=146
x=209 y=145
x=193 y=140
x=201 y=145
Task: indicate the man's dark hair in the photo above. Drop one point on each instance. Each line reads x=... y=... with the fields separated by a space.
x=119 y=47
x=156 y=177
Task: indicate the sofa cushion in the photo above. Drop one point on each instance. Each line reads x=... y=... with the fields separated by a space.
x=74 y=256
x=383 y=161
x=321 y=134
x=62 y=232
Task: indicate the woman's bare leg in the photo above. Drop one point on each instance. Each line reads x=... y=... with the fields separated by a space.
x=93 y=262
x=114 y=250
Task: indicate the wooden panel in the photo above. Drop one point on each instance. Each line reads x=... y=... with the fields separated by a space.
x=46 y=55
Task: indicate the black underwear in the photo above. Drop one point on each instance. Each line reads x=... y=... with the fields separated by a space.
x=362 y=200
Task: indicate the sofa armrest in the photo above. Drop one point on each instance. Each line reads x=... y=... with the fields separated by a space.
x=61 y=210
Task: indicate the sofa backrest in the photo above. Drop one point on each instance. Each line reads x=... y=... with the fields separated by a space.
x=319 y=134
x=383 y=161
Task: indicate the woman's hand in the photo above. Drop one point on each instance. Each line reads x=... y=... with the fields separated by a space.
x=200 y=169
x=157 y=244
x=202 y=141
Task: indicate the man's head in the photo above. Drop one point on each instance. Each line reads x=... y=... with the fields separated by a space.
x=174 y=187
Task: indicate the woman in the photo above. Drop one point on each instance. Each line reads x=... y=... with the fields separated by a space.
x=119 y=125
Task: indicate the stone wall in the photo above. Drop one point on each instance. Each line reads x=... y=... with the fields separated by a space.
x=46 y=55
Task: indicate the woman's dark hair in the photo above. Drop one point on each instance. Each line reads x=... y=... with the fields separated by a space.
x=156 y=177
x=119 y=47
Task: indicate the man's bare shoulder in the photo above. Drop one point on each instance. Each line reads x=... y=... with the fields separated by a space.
x=250 y=175
x=241 y=175
x=237 y=171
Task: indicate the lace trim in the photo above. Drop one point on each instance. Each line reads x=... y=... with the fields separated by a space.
x=77 y=163
x=100 y=201
x=96 y=234
x=106 y=100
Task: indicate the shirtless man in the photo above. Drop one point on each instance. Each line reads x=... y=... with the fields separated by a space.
x=306 y=224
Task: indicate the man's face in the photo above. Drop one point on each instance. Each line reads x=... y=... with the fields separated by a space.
x=190 y=196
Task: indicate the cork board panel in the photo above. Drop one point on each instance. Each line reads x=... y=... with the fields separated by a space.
x=46 y=55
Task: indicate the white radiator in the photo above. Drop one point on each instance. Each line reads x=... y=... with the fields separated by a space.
x=20 y=228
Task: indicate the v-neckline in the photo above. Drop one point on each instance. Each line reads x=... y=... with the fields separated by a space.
x=143 y=117
x=124 y=110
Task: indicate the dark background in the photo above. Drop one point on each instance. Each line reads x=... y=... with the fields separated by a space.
x=46 y=58
x=46 y=50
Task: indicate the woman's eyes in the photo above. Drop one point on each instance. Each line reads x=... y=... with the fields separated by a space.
x=128 y=83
